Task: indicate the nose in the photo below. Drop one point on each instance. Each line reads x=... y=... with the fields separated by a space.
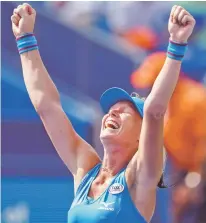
x=114 y=113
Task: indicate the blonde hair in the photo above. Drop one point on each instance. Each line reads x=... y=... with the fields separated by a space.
x=134 y=94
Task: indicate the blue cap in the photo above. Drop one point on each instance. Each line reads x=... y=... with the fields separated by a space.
x=114 y=95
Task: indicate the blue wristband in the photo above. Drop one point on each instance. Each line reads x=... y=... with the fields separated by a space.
x=26 y=42
x=176 y=51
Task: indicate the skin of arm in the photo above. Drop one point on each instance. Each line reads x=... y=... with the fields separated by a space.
x=145 y=168
x=46 y=100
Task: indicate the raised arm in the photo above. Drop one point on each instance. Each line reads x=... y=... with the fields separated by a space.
x=77 y=155
x=148 y=161
x=180 y=27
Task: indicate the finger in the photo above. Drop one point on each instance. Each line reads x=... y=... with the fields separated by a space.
x=29 y=8
x=172 y=12
x=15 y=12
x=33 y=11
x=173 y=9
x=22 y=11
x=27 y=5
x=17 y=16
x=188 y=19
x=181 y=15
x=186 y=12
x=176 y=13
x=14 y=20
x=14 y=28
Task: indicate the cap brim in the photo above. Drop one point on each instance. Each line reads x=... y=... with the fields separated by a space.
x=114 y=95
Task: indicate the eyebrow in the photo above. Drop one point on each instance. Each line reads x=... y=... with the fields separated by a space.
x=132 y=106
x=124 y=106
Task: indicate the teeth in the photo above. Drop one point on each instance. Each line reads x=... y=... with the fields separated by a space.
x=111 y=124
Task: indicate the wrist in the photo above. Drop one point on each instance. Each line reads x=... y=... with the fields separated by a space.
x=26 y=42
x=176 y=50
x=176 y=40
x=23 y=34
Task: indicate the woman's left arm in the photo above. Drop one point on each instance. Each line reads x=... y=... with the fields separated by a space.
x=150 y=153
x=145 y=169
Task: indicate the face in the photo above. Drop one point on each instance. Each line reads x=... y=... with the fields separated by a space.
x=121 y=126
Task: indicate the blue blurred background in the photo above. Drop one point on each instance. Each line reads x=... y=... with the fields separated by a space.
x=87 y=47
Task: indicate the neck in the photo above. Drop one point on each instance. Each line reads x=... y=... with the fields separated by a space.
x=115 y=158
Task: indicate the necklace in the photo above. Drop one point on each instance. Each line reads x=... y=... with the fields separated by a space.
x=106 y=170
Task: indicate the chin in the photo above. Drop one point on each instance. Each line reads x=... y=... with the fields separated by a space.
x=111 y=136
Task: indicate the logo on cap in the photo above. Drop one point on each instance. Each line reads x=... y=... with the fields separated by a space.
x=116 y=188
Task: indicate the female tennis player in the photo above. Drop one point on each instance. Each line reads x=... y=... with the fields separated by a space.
x=122 y=187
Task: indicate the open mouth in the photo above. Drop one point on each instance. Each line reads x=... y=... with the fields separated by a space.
x=111 y=124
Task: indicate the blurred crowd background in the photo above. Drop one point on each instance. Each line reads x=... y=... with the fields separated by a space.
x=88 y=47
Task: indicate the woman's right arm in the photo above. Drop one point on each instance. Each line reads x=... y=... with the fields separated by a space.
x=76 y=153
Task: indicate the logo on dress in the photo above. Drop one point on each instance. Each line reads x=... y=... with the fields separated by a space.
x=116 y=188
x=105 y=206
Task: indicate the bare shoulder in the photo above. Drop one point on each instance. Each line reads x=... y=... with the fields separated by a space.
x=142 y=193
x=78 y=155
x=86 y=160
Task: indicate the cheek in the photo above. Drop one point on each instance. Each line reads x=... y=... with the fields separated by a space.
x=103 y=120
x=132 y=128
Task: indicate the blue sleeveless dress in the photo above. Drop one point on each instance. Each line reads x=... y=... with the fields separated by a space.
x=113 y=206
